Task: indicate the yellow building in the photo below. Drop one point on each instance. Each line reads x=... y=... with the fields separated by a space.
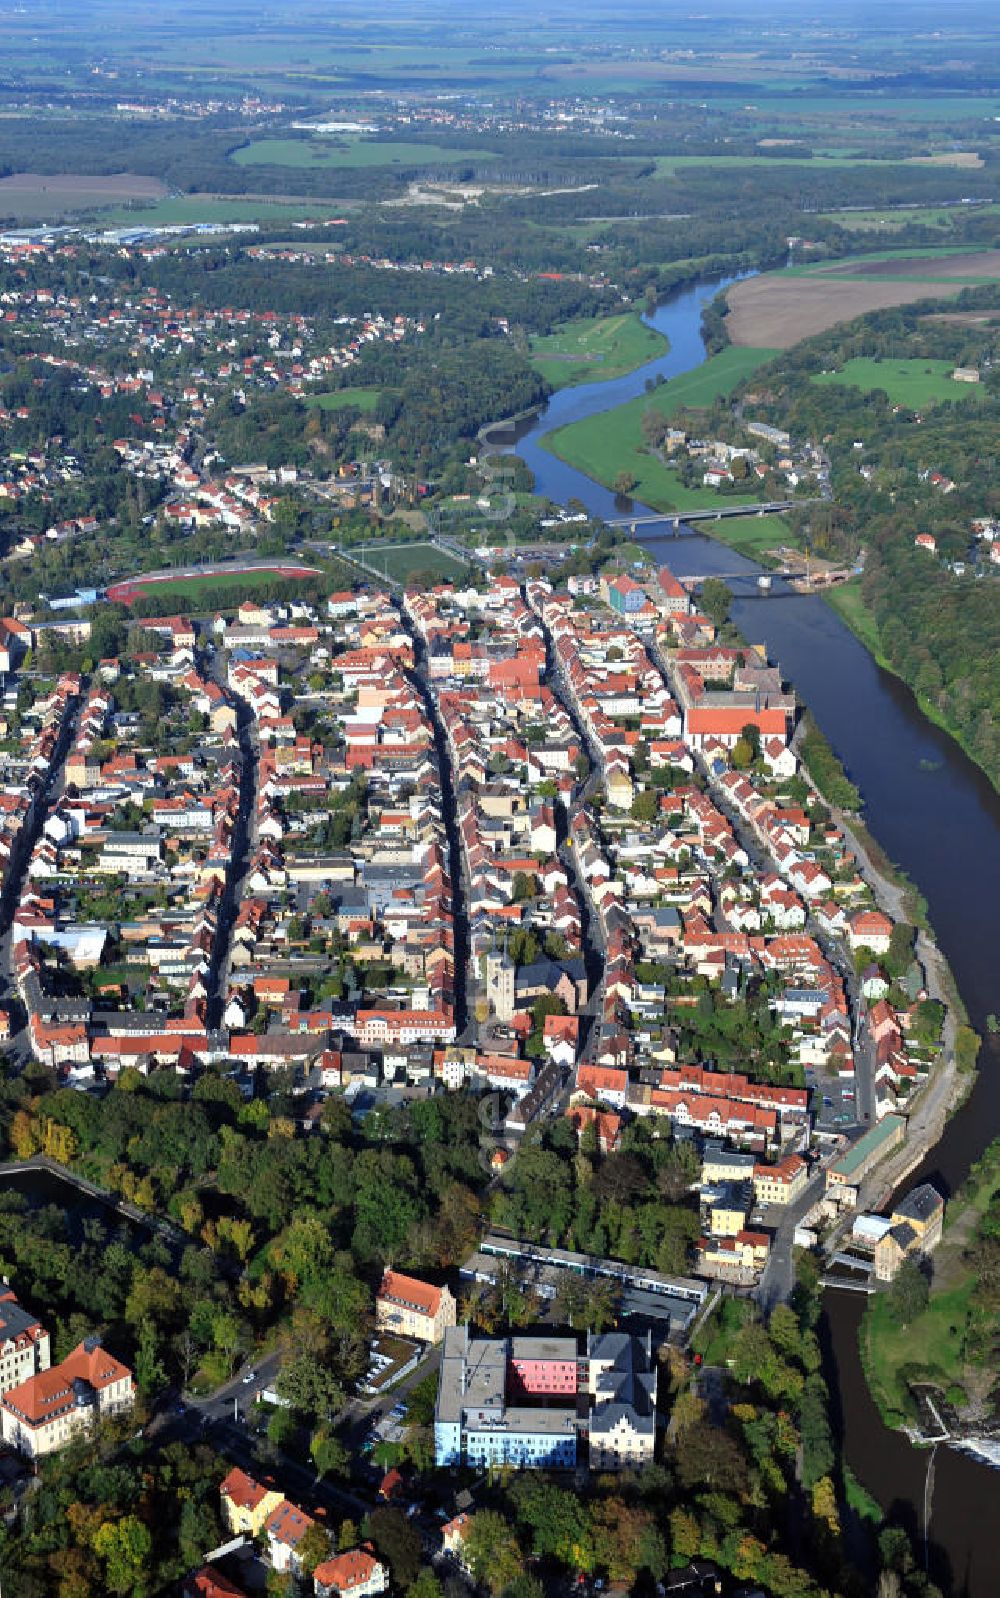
x=246 y=1504
x=620 y=788
x=726 y=1206
x=739 y=1259
x=411 y=1308
x=727 y=1218
x=917 y=1223
x=782 y=1183
x=719 y=1164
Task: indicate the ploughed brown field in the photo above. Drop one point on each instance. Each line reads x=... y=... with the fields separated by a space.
x=984 y=263
x=39 y=195
x=962 y=158
x=777 y=310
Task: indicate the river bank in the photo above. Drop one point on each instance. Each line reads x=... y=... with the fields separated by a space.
x=944 y=1350
x=935 y=815
x=846 y=601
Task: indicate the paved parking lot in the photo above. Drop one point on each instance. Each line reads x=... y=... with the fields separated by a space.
x=835 y=1100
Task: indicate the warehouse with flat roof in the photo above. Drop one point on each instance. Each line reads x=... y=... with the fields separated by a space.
x=850 y=1168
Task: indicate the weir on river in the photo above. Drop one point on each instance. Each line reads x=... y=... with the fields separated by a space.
x=938 y=818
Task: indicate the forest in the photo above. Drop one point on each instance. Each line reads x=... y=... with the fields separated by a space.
x=936 y=615
x=273 y=1236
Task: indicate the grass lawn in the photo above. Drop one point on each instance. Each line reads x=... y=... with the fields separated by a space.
x=628 y=554
x=914 y=383
x=350 y=152
x=362 y=399
x=612 y=441
x=860 y=1499
x=846 y=601
x=752 y=536
x=400 y=561
x=934 y=1343
x=200 y=590
x=594 y=348
x=714 y=1335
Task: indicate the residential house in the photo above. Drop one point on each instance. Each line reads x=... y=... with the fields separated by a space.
x=209 y=1583
x=354 y=1574
x=53 y=1406
x=246 y=1503
x=284 y=1529
x=412 y=1308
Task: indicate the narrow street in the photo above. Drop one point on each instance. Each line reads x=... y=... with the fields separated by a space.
x=592 y=933
x=243 y=843
x=464 y=998
x=14 y=876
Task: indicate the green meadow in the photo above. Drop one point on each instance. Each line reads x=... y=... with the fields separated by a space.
x=595 y=348
x=612 y=441
x=896 y=217
x=914 y=383
x=342 y=399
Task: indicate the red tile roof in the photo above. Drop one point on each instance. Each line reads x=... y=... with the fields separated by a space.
x=242 y=1490
x=409 y=1291
x=347 y=1571
x=50 y=1393
x=208 y=1583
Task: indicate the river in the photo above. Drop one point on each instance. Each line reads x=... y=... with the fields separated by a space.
x=937 y=816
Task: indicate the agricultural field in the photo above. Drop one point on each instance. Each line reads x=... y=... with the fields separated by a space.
x=189 y=209
x=612 y=442
x=914 y=383
x=929 y=263
x=353 y=152
x=41 y=196
x=668 y=165
x=341 y=399
x=778 y=309
x=839 y=110
x=595 y=348
x=893 y=218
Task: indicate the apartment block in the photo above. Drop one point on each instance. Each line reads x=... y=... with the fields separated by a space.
x=24 y=1344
